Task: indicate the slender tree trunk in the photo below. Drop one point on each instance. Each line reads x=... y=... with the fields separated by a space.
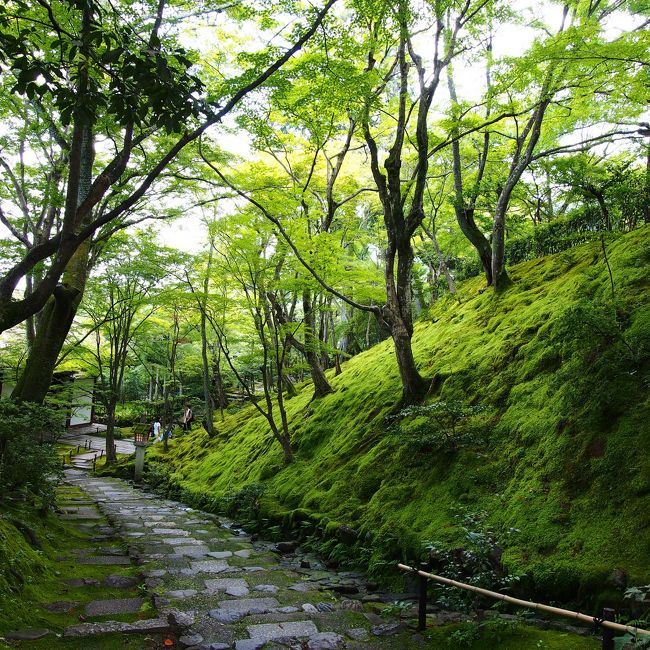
x=207 y=393
x=500 y=278
x=397 y=316
x=321 y=385
x=30 y=323
x=464 y=206
x=646 y=203
x=451 y=285
x=465 y=219
x=219 y=387
x=368 y=324
x=111 y=456
x=600 y=198
x=414 y=387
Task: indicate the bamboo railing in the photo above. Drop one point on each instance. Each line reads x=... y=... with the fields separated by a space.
x=539 y=607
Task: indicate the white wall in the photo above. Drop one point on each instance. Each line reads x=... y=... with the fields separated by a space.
x=82 y=401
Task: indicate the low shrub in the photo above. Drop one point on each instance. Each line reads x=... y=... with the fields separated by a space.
x=28 y=458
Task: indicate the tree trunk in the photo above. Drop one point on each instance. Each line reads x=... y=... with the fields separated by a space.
x=451 y=285
x=465 y=219
x=414 y=387
x=219 y=388
x=397 y=316
x=646 y=203
x=54 y=324
x=111 y=456
x=321 y=385
x=207 y=394
x=55 y=320
x=600 y=198
x=500 y=278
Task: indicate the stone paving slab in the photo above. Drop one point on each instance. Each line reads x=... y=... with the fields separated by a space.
x=182 y=541
x=114 y=606
x=29 y=634
x=120 y=582
x=191 y=550
x=86 y=516
x=92 y=629
x=61 y=606
x=232 y=586
x=248 y=604
x=271 y=631
x=118 y=560
x=211 y=566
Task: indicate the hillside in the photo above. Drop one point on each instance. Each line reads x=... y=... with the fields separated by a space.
x=561 y=364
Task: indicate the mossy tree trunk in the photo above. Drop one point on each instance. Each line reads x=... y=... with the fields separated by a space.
x=312 y=348
x=465 y=201
x=55 y=320
x=207 y=393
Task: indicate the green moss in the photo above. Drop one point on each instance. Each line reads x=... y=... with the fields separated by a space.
x=34 y=566
x=563 y=367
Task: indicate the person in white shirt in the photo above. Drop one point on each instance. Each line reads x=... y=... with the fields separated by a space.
x=156 y=430
x=188 y=416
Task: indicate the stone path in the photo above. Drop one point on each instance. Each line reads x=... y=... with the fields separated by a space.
x=96 y=444
x=215 y=589
x=78 y=437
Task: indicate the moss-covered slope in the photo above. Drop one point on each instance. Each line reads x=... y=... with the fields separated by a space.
x=561 y=360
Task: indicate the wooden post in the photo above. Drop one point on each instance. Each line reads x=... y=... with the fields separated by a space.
x=94 y=461
x=608 y=635
x=422 y=599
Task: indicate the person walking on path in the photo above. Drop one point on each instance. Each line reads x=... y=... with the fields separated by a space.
x=156 y=430
x=187 y=418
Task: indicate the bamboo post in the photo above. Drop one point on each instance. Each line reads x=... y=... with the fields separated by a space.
x=422 y=599
x=608 y=634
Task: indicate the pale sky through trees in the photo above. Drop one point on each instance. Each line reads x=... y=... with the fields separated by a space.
x=510 y=40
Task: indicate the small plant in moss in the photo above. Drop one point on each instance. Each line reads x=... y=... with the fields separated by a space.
x=640 y=597
x=397 y=608
x=443 y=425
x=465 y=636
x=475 y=563
x=244 y=504
x=633 y=640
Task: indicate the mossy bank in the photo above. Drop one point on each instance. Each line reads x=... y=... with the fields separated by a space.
x=560 y=362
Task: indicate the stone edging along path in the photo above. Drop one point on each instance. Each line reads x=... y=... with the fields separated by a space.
x=214 y=589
